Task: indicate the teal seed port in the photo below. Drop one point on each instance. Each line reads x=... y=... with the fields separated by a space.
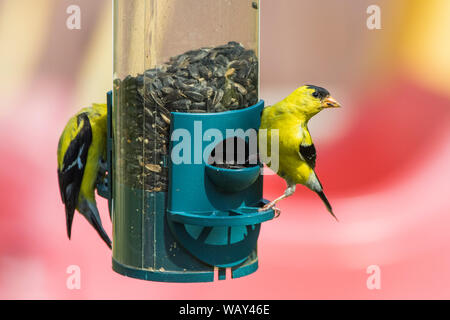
x=208 y=220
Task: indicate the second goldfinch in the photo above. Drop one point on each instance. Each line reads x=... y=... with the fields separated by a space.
x=81 y=151
x=297 y=154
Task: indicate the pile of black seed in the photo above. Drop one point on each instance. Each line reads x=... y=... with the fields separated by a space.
x=215 y=79
x=241 y=156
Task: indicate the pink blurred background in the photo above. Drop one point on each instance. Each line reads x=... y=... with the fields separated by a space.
x=383 y=158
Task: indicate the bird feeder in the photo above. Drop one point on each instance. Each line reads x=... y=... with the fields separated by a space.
x=186 y=88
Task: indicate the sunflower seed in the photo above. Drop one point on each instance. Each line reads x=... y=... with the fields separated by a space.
x=167 y=90
x=183 y=61
x=207 y=92
x=240 y=88
x=200 y=56
x=193 y=70
x=194 y=95
x=183 y=104
x=153 y=167
x=218 y=96
x=205 y=72
x=198 y=106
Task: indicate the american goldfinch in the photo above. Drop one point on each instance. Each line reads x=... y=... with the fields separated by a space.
x=81 y=150
x=297 y=154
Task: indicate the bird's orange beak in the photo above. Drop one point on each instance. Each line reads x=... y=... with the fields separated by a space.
x=330 y=102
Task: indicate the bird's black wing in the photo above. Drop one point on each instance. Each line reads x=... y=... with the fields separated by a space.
x=308 y=153
x=74 y=162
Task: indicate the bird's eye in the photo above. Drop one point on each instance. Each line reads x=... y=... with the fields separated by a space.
x=315 y=94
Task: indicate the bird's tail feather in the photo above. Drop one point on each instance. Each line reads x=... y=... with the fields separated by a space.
x=93 y=216
x=327 y=203
x=70 y=211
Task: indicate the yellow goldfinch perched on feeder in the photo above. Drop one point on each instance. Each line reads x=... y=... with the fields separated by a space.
x=81 y=150
x=297 y=154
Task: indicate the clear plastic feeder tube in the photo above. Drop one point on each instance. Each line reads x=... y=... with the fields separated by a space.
x=177 y=55
x=191 y=56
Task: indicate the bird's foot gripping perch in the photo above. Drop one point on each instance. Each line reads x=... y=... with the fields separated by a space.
x=270 y=206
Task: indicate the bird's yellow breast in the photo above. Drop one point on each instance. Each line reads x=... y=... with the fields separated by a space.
x=292 y=132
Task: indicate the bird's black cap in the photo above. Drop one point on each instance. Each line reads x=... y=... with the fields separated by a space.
x=320 y=92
